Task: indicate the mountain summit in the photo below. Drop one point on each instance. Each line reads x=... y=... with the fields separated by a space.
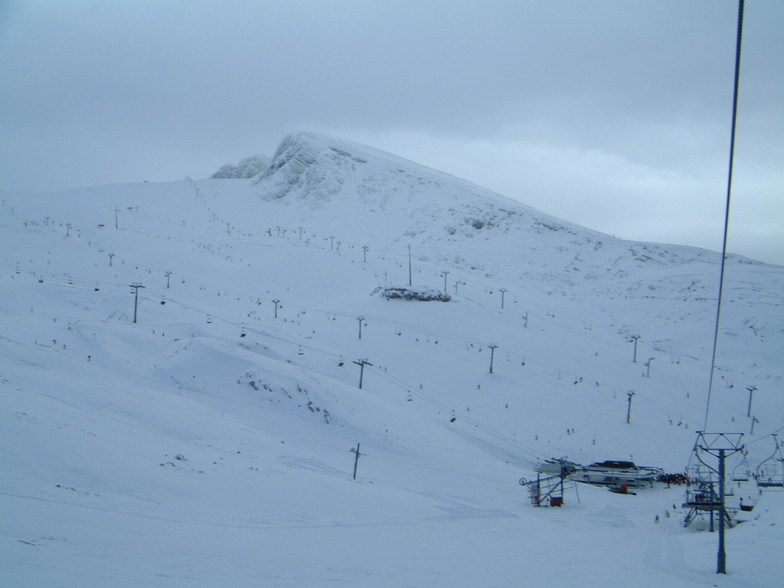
x=387 y=202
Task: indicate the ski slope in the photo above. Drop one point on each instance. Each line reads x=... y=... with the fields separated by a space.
x=212 y=442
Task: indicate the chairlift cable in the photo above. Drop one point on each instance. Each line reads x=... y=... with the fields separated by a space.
x=763 y=437
x=727 y=205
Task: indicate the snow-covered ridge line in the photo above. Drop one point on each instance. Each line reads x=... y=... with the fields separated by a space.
x=245 y=169
x=298 y=152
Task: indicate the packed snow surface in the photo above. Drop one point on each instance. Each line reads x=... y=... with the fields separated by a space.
x=207 y=432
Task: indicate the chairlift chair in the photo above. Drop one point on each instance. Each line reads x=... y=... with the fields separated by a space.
x=770 y=473
x=740 y=473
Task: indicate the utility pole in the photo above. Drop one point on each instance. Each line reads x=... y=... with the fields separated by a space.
x=753 y=420
x=135 y=286
x=331 y=242
x=525 y=318
x=364 y=253
x=445 y=274
x=751 y=390
x=360 y=319
x=492 y=353
x=635 y=338
x=356 y=458
x=67 y=229
x=629 y=395
x=648 y=367
x=110 y=259
x=457 y=283
x=300 y=233
x=116 y=223
x=168 y=275
x=362 y=363
x=276 y=302
x=409 y=264
x=503 y=291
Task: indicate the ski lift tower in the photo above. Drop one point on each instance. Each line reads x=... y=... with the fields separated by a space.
x=706 y=491
x=549 y=490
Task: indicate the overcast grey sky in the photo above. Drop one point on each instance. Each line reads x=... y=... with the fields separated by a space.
x=613 y=114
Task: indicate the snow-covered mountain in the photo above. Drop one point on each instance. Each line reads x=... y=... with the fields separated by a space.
x=351 y=187
x=212 y=441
